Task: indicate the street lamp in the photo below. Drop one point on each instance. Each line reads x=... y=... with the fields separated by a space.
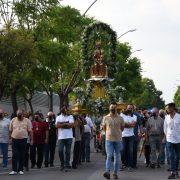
x=89 y=7
x=131 y=30
x=136 y=50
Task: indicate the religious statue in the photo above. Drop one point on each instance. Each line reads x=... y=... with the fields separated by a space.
x=99 y=69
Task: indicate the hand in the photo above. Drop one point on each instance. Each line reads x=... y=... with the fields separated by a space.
x=10 y=141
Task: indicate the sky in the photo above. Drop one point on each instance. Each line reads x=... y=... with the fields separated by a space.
x=158 y=35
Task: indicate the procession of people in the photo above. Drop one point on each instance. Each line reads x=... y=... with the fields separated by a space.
x=120 y=136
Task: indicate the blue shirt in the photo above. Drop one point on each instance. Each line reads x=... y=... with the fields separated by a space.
x=4 y=130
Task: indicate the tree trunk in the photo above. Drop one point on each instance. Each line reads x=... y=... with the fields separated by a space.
x=30 y=105
x=14 y=102
x=64 y=100
x=51 y=101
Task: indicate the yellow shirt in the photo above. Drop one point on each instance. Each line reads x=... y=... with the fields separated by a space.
x=20 y=129
x=113 y=127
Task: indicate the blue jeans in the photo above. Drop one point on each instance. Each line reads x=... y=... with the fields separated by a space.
x=4 y=150
x=65 y=143
x=174 y=155
x=113 y=148
x=86 y=149
x=128 y=144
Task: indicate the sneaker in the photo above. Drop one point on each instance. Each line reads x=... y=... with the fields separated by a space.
x=177 y=175
x=106 y=175
x=152 y=166
x=115 y=176
x=21 y=172
x=130 y=169
x=172 y=176
x=66 y=169
x=12 y=173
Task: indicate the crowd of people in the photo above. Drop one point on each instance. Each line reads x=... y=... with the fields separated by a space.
x=158 y=130
x=34 y=139
x=118 y=135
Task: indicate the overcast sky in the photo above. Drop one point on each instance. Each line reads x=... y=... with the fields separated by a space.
x=158 y=34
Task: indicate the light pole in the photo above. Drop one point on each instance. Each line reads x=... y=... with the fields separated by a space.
x=89 y=7
x=131 y=30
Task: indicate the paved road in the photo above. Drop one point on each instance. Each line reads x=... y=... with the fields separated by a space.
x=89 y=171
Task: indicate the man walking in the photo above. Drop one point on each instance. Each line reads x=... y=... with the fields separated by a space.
x=155 y=135
x=113 y=125
x=88 y=135
x=65 y=123
x=4 y=137
x=40 y=138
x=19 y=128
x=51 y=145
x=128 y=136
x=172 y=132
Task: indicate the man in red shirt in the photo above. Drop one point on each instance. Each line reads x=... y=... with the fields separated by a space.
x=40 y=138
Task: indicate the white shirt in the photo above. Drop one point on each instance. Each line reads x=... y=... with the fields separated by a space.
x=65 y=133
x=88 y=126
x=4 y=130
x=128 y=132
x=172 y=128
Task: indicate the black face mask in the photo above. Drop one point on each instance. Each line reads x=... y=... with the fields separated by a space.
x=19 y=116
x=1 y=116
x=36 y=118
x=113 y=111
x=128 y=112
x=50 y=117
x=154 y=114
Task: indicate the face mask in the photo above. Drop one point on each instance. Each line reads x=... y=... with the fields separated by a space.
x=50 y=117
x=154 y=114
x=129 y=112
x=1 y=116
x=36 y=118
x=113 y=111
x=19 y=116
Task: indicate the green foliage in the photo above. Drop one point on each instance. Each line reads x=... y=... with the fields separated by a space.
x=128 y=73
x=29 y=12
x=177 y=97
x=44 y=52
x=150 y=96
x=18 y=54
x=99 y=31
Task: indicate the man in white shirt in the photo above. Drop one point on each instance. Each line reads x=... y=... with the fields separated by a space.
x=88 y=135
x=4 y=137
x=64 y=124
x=128 y=136
x=172 y=132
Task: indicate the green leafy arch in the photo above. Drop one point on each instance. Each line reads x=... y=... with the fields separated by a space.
x=103 y=32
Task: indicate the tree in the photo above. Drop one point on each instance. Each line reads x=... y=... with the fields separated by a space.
x=30 y=12
x=58 y=38
x=150 y=96
x=177 y=97
x=128 y=73
x=18 y=55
